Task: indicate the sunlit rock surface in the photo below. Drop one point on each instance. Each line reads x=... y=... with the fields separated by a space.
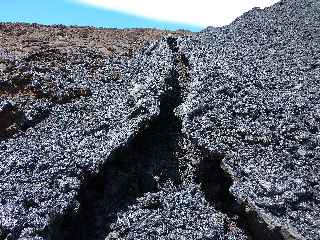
x=254 y=99
x=214 y=135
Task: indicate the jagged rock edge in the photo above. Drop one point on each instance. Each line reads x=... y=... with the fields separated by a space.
x=259 y=225
x=258 y=220
x=57 y=222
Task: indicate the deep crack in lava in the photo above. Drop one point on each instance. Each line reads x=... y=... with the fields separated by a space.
x=145 y=164
x=149 y=163
x=215 y=184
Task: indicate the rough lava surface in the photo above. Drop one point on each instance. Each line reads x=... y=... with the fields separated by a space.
x=254 y=99
x=214 y=135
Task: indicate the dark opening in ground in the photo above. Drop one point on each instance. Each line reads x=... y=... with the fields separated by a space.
x=147 y=163
x=215 y=184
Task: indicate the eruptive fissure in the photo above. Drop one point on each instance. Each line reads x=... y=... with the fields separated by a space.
x=215 y=184
x=148 y=163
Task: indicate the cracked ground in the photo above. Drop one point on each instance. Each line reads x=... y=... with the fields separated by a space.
x=147 y=134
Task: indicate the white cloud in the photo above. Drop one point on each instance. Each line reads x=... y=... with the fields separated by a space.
x=196 y=12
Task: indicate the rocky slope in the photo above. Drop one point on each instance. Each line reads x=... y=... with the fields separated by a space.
x=211 y=135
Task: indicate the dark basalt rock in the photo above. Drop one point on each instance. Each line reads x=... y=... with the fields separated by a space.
x=211 y=136
x=254 y=100
x=42 y=168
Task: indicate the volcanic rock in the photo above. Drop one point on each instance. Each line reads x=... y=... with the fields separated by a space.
x=210 y=135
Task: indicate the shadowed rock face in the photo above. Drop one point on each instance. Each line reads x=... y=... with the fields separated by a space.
x=209 y=136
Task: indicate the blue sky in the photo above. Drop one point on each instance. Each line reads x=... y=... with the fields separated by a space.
x=192 y=15
x=72 y=13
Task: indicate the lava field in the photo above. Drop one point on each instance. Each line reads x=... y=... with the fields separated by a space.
x=150 y=134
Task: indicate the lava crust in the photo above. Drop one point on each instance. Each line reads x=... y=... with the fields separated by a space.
x=171 y=135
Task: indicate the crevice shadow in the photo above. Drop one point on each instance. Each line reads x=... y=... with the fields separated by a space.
x=147 y=163
x=215 y=184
